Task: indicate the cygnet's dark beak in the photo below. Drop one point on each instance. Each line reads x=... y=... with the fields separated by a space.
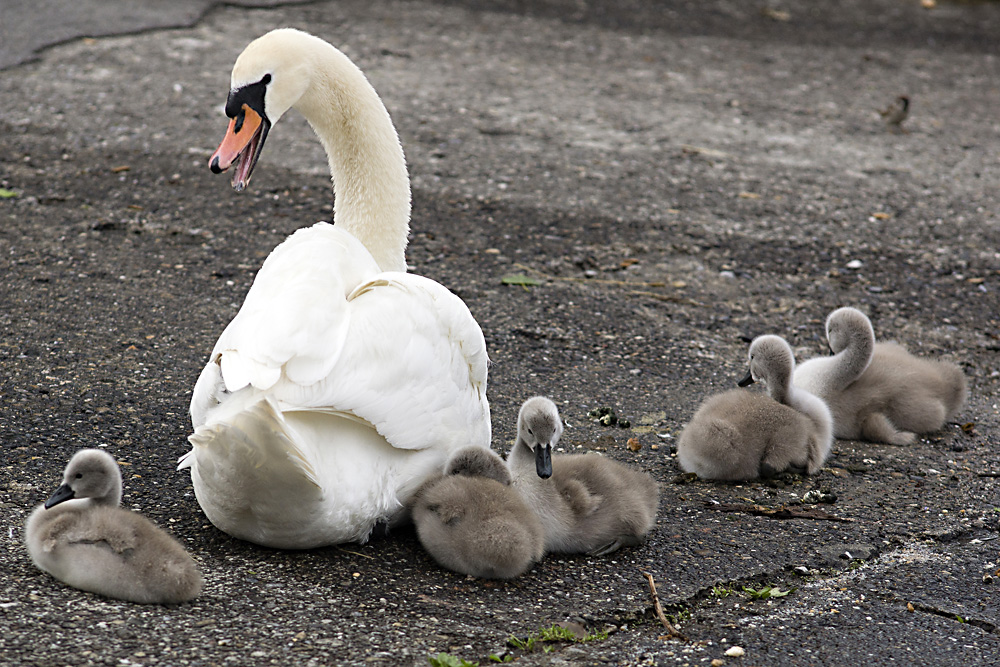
x=747 y=381
x=61 y=494
x=543 y=460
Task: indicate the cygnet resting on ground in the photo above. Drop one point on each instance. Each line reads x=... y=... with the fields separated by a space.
x=878 y=391
x=741 y=434
x=472 y=521
x=591 y=504
x=81 y=537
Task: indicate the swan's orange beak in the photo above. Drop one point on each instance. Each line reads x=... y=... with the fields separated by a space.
x=242 y=144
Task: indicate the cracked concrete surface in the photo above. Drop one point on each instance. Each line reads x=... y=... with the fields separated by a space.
x=679 y=177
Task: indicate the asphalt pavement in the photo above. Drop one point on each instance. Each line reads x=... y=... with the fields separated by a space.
x=624 y=193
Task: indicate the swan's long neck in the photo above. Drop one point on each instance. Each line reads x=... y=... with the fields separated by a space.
x=814 y=408
x=851 y=362
x=783 y=391
x=370 y=182
x=521 y=462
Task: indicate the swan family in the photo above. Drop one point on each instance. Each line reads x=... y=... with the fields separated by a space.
x=347 y=393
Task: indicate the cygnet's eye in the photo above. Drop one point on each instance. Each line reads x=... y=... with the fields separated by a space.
x=529 y=432
x=79 y=475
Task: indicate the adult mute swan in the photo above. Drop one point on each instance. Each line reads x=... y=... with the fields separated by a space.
x=343 y=382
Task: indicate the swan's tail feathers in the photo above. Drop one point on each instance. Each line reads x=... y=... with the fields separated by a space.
x=256 y=439
x=255 y=479
x=186 y=460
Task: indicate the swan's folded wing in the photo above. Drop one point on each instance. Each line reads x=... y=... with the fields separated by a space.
x=414 y=365
x=295 y=318
x=321 y=329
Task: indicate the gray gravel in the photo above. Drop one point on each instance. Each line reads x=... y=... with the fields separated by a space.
x=680 y=177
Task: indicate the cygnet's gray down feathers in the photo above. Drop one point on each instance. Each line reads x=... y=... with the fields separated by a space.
x=740 y=434
x=878 y=391
x=590 y=504
x=81 y=537
x=470 y=520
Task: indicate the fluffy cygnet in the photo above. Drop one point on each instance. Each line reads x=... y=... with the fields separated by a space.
x=472 y=521
x=741 y=434
x=81 y=537
x=878 y=391
x=586 y=502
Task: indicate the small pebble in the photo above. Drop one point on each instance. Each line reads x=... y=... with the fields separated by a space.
x=735 y=652
x=718 y=662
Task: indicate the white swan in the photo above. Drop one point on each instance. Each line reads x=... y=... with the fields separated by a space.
x=343 y=382
x=740 y=434
x=83 y=538
x=878 y=391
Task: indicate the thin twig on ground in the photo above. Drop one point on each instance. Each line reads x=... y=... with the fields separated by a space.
x=784 y=512
x=617 y=283
x=354 y=553
x=658 y=608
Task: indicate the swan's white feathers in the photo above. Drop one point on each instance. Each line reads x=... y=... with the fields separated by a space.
x=426 y=383
x=379 y=353
x=295 y=318
x=403 y=368
x=208 y=392
x=252 y=469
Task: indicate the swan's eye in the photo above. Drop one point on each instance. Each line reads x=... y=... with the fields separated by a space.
x=240 y=117
x=79 y=475
x=266 y=80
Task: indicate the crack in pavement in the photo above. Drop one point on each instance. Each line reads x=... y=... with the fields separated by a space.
x=820 y=586
x=38 y=31
x=976 y=622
